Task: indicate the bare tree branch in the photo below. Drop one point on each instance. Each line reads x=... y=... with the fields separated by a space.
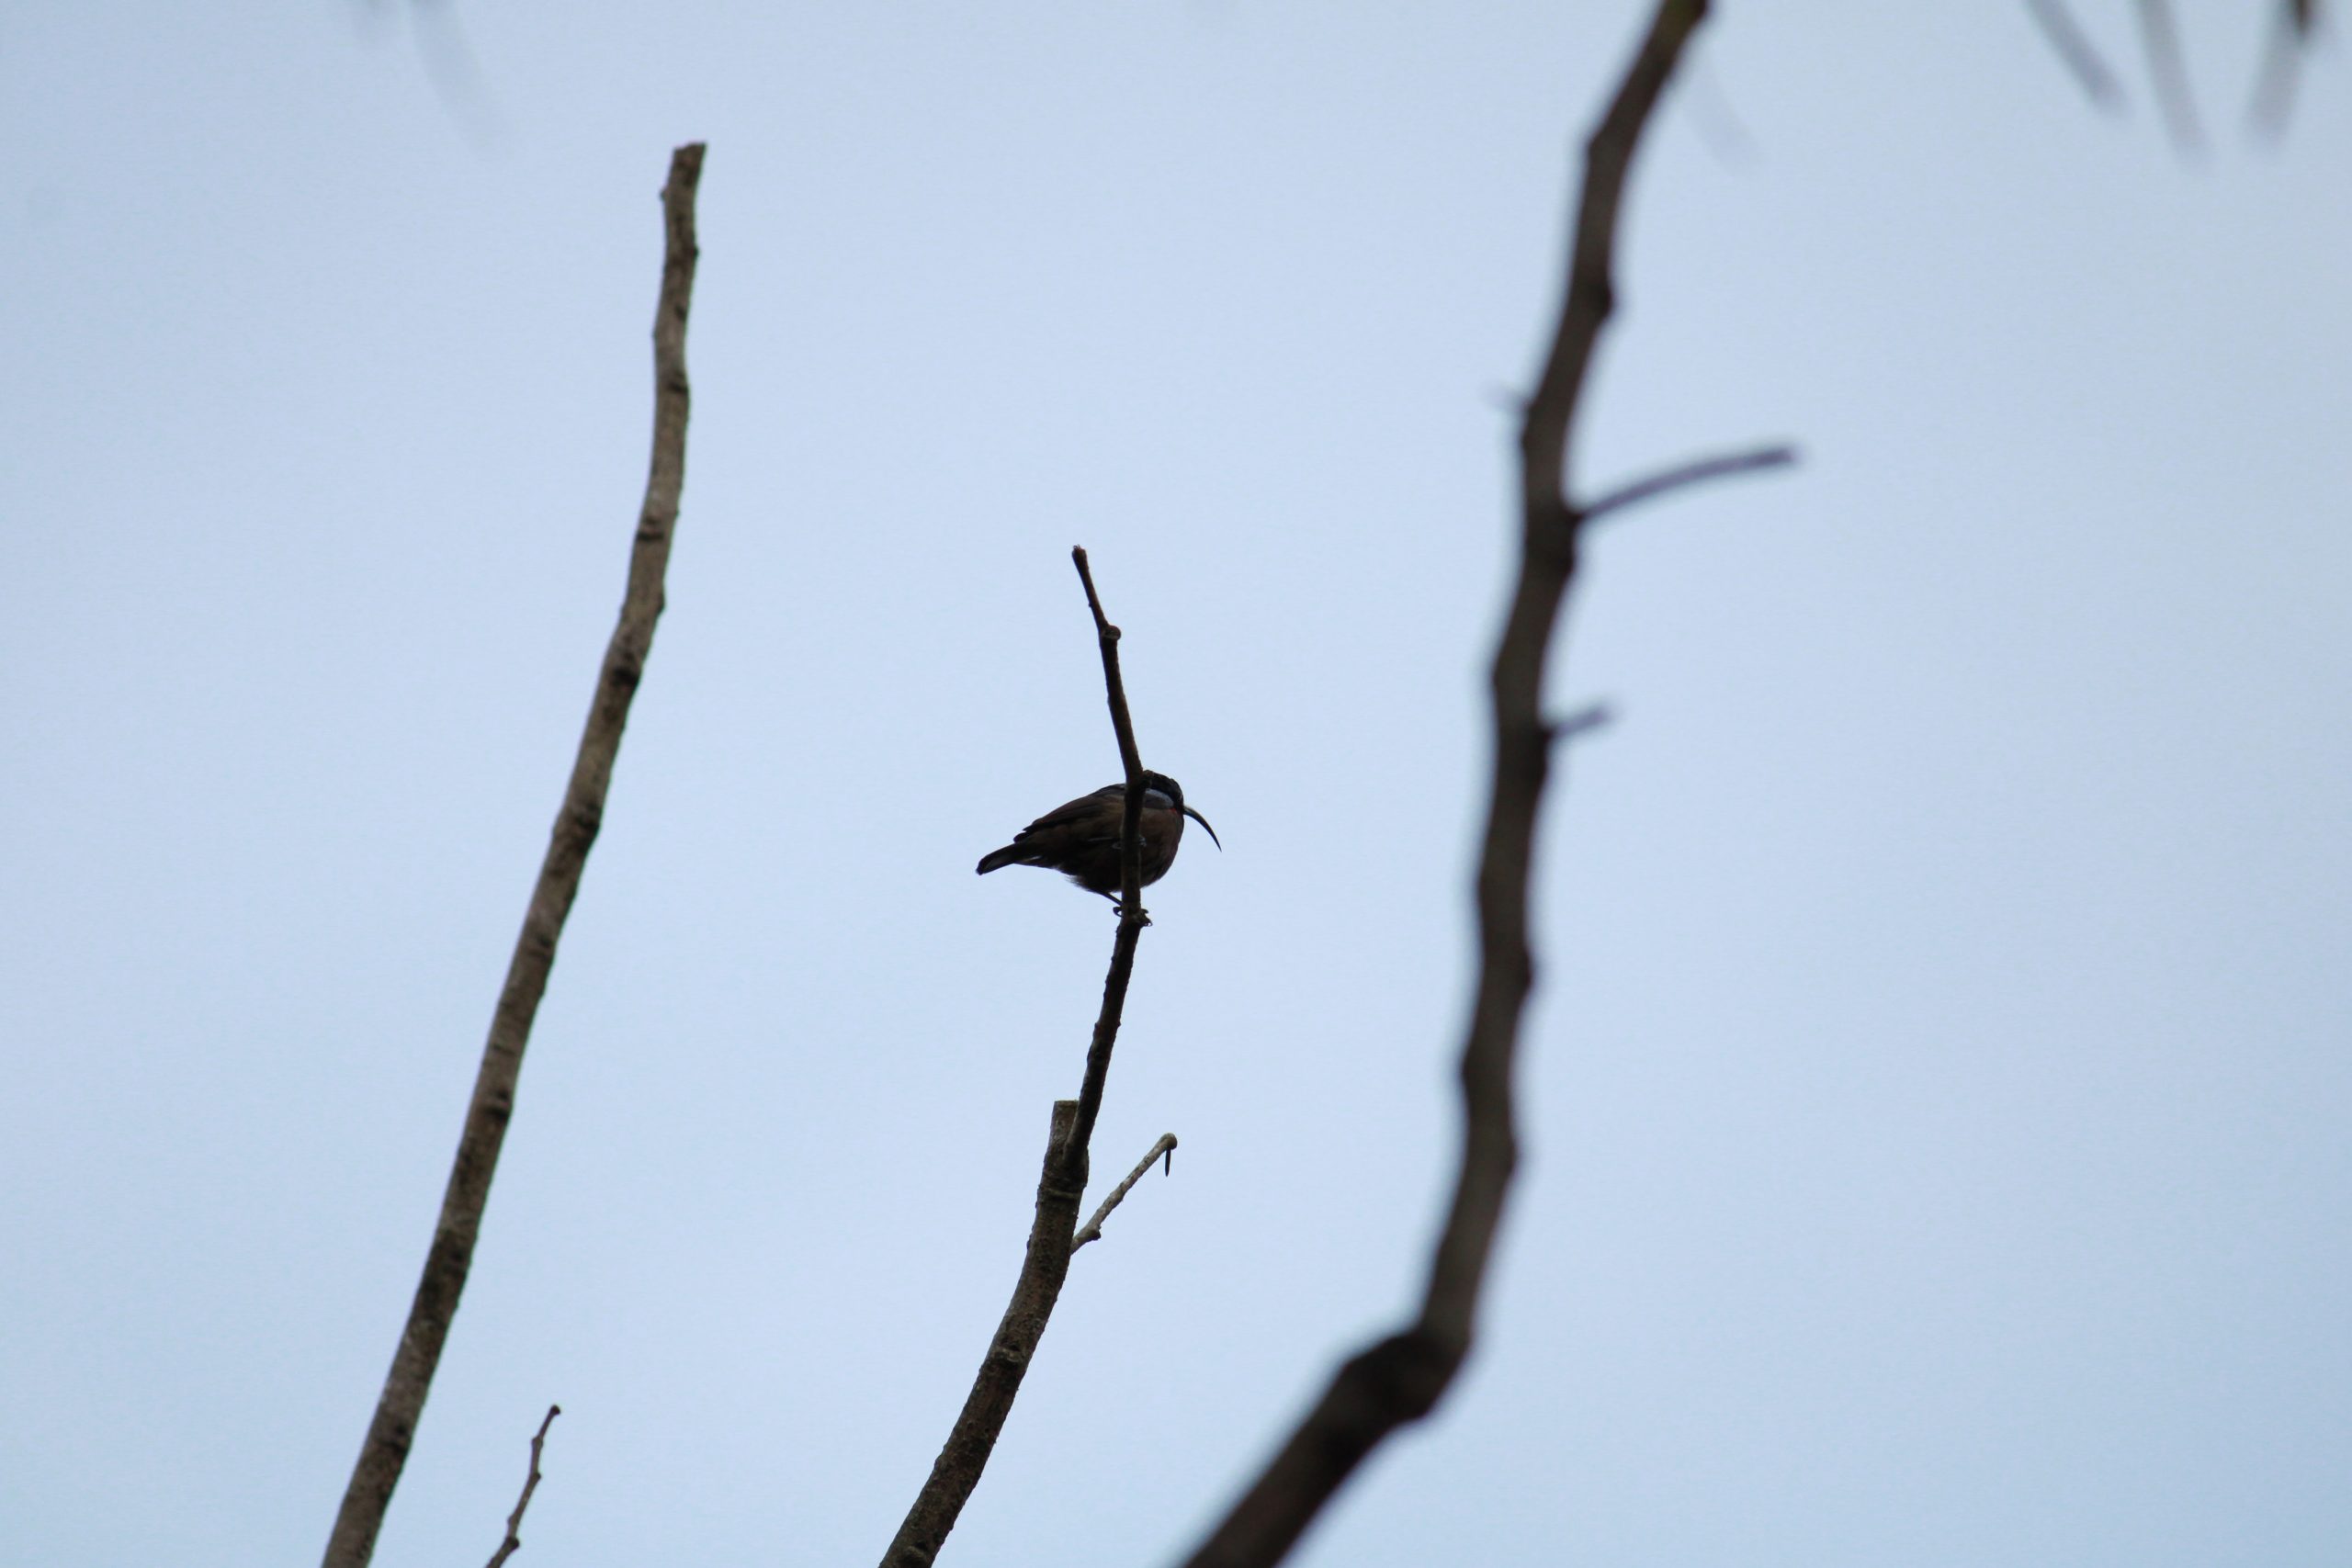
x=1400 y=1378
x=1092 y=1230
x=513 y=1542
x=1060 y=1185
x=1695 y=472
x=1132 y=915
x=393 y=1427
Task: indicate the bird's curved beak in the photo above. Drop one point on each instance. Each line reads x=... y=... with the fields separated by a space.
x=1204 y=824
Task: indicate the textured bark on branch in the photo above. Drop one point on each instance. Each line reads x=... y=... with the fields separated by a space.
x=393 y=1427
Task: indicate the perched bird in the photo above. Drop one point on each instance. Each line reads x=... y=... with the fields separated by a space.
x=1080 y=839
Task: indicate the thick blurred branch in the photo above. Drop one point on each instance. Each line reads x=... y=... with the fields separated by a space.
x=2076 y=52
x=1061 y=1184
x=1400 y=1378
x=2294 y=25
x=393 y=1427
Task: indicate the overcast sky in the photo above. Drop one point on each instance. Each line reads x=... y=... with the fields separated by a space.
x=1937 y=1095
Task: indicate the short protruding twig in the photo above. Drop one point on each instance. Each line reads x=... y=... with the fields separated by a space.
x=513 y=1542
x=1698 y=472
x=1590 y=719
x=1092 y=1230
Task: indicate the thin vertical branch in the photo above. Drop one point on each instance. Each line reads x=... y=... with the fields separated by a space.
x=1132 y=916
x=1400 y=1378
x=393 y=1427
x=1061 y=1184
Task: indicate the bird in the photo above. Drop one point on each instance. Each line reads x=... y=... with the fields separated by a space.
x=1080 y=838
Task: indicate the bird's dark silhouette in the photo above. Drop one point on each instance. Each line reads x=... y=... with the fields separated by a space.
x=1080 y=839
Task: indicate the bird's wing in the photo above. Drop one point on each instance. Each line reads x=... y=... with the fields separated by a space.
x=1071 y=811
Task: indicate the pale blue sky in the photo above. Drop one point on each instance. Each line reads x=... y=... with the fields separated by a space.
x=1938 y=1099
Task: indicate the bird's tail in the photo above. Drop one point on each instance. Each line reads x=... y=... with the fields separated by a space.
x=997 y=860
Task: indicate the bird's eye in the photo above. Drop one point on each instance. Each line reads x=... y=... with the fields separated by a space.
x=1155 y=797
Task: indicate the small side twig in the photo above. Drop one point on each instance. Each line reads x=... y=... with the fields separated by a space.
x=513 y=1542
x=1092 y=1230
x=1590 y=719
x=1698 y=472
x=384 y=1451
